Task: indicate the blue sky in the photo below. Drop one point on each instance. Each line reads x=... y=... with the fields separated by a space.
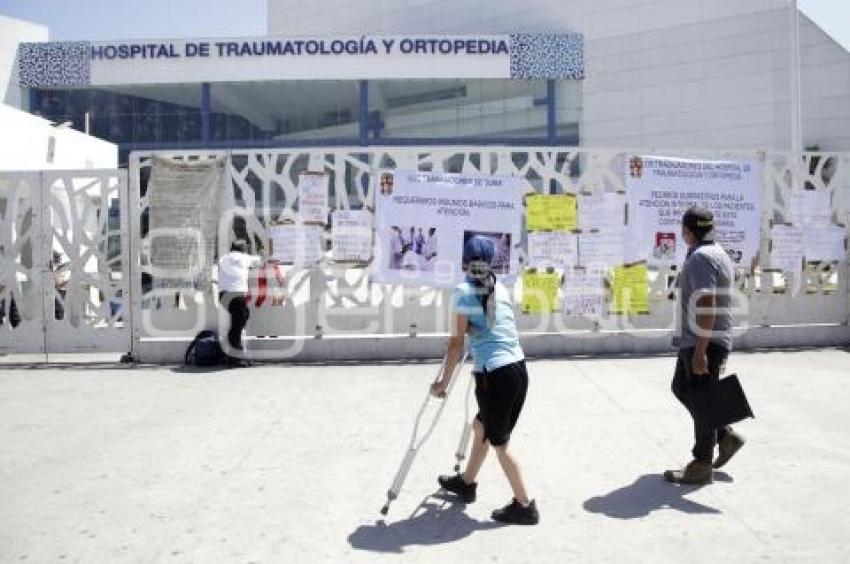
x=117 y=19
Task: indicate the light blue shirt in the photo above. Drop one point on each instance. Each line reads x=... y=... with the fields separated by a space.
x=495 y=346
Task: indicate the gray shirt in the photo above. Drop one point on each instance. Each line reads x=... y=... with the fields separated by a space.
x=708 y=270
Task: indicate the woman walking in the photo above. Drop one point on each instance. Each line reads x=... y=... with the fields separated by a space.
x=482 y=309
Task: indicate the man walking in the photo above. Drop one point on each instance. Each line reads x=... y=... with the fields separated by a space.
x=704 y=339
x=233 y=270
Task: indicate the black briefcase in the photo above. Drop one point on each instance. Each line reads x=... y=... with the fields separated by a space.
x=724 y=401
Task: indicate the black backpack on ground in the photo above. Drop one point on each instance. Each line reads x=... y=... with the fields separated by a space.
x=204 y=350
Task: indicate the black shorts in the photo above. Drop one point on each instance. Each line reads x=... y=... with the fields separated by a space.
x=500 y=395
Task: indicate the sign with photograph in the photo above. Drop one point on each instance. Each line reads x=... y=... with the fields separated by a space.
x=659 y=190
x=424 y=219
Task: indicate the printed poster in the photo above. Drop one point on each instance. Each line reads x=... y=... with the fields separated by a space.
x=660 y=189
x=424 y=220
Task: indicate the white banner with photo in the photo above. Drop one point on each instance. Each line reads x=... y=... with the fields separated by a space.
x=424 y=219
x=659 y=190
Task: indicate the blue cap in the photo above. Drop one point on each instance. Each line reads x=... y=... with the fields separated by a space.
x=478 y=248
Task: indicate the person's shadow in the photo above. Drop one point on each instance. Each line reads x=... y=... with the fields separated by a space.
x=432 y=522
x=646 y=494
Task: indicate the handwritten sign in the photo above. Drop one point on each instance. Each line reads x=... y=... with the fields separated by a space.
x=313 y=197
x=631 y=289
x=539 y=291
x=551 y=212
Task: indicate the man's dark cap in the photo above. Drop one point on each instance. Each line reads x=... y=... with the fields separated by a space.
x=699 y=221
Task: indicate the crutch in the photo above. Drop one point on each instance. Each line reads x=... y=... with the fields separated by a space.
x=460 y=455
x=415 y=441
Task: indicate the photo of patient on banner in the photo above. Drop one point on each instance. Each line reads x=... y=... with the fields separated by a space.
x=413 y=248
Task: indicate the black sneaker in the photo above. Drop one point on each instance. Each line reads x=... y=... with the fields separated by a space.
x=515 y=514
x=456 y=485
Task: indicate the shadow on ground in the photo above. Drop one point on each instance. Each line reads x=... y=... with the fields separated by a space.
x=649 y=493
x=435 y=521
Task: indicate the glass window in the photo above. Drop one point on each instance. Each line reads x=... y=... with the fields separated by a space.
x=127 y=114
x=476 y=108
x=568 y=110
x=285 y=110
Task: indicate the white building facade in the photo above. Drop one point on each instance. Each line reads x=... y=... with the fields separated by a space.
x=634 y=74
x=659 y=73
x=13 y=32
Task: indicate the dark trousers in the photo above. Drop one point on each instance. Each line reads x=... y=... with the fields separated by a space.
x=686 y=385
x=235 y=304
x=14 y=316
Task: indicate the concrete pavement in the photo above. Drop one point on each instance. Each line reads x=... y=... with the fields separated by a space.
x=290 y=463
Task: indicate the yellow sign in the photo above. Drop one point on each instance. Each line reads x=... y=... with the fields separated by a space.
x=551 y=212
x=540 y=291
x=631 y=289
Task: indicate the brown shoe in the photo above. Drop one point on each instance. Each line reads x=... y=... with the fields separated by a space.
x=727 y=447
x=696 y=473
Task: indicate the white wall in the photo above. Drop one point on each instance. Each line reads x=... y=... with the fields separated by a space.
x=24 y=142
x=12 y=32
x=660 y=73
x=826 y=89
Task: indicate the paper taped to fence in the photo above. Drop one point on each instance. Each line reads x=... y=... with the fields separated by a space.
x=184 y=214
x=540 y=291
x=602 y=211
x=424 y=219
x=551 y=212
x=787 y=248
x=659 y=190
x=600 y=250
x=296 y=244
x=584 y=294
x=630 y=287
x=552 y=249
x=825 y=243
x=810 y=208
x=351 y=235
x=313 y=197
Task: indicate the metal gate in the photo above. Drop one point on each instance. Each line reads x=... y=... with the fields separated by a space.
x=64 y=262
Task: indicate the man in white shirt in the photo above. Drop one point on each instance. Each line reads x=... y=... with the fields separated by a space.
x=233 y=271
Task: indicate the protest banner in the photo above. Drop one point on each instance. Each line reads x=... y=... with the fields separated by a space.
x=424 y=220
x=659 y=190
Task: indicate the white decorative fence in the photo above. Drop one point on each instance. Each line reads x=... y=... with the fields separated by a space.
x=64 y=248
x=333 y=311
